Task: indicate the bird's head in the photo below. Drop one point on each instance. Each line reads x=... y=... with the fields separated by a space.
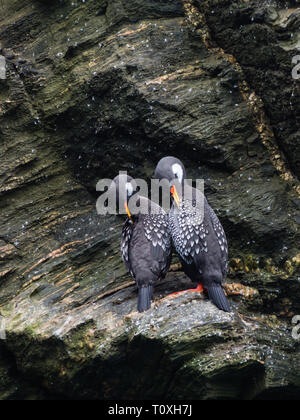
x=125 y=188
x=173 y=170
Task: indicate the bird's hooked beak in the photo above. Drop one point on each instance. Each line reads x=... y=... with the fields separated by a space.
x=127 y=210
x=175 y=196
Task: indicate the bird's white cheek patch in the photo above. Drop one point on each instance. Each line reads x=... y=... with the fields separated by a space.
x=177 y=171
x=129 y=189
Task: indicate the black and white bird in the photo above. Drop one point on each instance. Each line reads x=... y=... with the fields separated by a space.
x=146 y=245
x=197 y=233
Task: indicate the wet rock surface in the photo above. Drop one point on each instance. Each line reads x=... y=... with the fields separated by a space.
x=97 y=87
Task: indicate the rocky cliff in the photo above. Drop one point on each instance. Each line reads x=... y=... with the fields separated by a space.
x=98 y=86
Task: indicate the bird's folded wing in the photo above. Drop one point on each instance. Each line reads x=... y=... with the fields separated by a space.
x=219 y=231
x=157 y=232
x=189 y=231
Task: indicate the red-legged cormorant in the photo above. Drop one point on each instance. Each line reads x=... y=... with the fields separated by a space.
x=197 y=234
x=146 y=244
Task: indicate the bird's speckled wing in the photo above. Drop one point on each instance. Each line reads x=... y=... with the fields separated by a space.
x=156 y=227
x=125 y=243
x=157 y=230
x=189 y=231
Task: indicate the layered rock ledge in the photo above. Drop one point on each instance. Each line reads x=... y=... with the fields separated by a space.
x=100 y=86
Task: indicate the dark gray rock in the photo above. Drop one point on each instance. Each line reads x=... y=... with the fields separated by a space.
x=98 y=87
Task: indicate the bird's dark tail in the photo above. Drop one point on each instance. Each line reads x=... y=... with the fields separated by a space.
x=217 y=296
x=145 y=297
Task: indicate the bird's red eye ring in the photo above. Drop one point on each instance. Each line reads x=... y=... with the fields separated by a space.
x=173 y=190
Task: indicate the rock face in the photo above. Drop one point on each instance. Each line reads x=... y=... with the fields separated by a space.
x=100 y=86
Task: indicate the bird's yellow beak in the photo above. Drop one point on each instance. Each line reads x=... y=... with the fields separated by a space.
x=127 y=210
x=175 y=196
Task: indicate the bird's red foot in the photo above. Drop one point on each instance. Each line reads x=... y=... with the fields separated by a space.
x=199 y=289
